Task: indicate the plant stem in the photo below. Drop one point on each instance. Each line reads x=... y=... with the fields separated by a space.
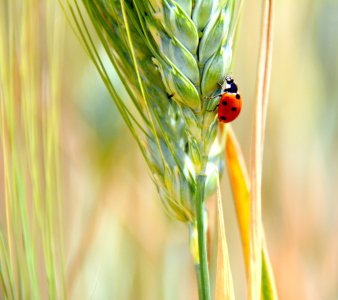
x=202 y=269
x=199 y=281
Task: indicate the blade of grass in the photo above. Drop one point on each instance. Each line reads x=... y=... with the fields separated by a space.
x=269 y=291
x=202 y=267
x=20 y=232
x=31 y=95
x=6 y=31
x=240 y=188
x=241 y=191
x=224 y=285
x=5 y=271
x=261 y=101
x=30 y=147
x=51 y=145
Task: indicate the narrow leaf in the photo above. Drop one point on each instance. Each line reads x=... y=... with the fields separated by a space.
x=269 y=291
x=224 y=285
x=256 y=161
x=241 y=191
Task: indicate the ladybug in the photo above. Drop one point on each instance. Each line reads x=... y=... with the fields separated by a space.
x=230 y=103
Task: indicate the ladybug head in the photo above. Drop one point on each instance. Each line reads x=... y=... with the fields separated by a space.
x=229 y=80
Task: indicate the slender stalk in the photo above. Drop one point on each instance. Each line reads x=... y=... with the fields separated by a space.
x=261 y=101
x=202 y=268
x=199 y=281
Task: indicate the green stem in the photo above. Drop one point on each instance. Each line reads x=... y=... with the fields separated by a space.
x=202 y=269
x=199 y=281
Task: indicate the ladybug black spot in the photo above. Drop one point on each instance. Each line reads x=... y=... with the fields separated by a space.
x=238 y=96
x=223 y=118
x=224 y=102
x=234 y=109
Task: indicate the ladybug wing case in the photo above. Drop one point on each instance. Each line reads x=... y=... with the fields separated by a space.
x=230 y=106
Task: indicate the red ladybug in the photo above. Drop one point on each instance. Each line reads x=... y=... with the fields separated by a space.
x=230 y=104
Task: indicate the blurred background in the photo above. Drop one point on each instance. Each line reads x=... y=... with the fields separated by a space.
x=118 y=241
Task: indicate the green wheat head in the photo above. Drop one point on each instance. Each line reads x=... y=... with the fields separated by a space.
x=170 y=55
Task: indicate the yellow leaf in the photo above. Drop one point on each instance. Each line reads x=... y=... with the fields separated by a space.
x=240 y=189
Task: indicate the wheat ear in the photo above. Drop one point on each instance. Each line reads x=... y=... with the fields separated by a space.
x=170 y=56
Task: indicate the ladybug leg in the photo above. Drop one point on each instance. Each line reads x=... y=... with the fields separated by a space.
x=220 y=85
x=214 y=108
x=212 y=97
